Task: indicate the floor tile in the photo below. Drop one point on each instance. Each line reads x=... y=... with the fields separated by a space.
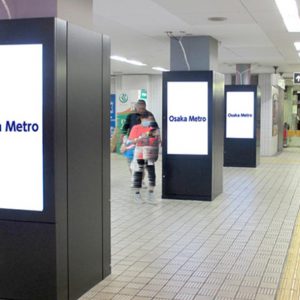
x=231 y=248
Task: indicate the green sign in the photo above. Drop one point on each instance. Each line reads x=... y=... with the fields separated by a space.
x=143 y=94
x=123 y=98
x=121 y=118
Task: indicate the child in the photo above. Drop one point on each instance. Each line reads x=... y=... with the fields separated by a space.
x=146 y=138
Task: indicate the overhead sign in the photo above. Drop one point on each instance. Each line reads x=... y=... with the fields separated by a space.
x=240 y=115
x=187 y=118
x=21 y=127
x=296 y=78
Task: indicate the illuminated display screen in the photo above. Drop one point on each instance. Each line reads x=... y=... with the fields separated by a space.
x=240 y=115
x=187 y=118
x=21 y=128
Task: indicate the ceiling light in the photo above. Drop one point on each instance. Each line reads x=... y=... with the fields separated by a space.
x=289 y=12
x=129 y=61
x=297 y=46
x=160 y=69
x=119 y=58
x=217 y=19
x=135 y=62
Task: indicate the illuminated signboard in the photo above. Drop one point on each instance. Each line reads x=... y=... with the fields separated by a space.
x=240 y=115
x=21 y=128
x=187 y=118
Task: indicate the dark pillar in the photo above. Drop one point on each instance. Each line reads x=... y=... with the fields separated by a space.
x=62 y=249
x=193 y=163
x=242 y=126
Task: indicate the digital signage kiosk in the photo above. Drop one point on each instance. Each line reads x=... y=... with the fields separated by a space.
x=192 y=135
x=242 y=126
x=54 y=157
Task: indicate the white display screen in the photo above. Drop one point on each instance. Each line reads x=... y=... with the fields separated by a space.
x=240 y=115
x=21 y=127
x=187 y=118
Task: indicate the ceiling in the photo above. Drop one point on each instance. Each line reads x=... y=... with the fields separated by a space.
x=253 y=32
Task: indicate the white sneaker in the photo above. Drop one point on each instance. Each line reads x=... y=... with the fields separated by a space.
x=151 y=197
x=138 y=197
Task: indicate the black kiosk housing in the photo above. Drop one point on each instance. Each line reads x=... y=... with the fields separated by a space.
x=194 y=176
x=64 y=250
x=243 y=151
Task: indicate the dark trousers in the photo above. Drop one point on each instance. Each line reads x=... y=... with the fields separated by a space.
x=138 y=173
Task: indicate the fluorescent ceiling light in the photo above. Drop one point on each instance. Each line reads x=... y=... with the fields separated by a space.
x=119 y=58
x=289 y=12
x=297 y=46
x=135 y=62
x=129 y=61
x=160 y=69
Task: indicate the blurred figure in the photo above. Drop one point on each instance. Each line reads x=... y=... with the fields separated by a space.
x=132 y=119
x=146 y=138
x=286 y=128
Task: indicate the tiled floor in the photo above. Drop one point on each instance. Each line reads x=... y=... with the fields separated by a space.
x=231 y=248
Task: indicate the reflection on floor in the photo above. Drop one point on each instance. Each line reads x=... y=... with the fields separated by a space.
x=231 y=248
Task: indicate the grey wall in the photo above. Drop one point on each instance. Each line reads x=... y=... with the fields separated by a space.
x=60 y=163
x=28 y=9
x=85 y=159
x=201 y=52
x=217 y=134
x=105 y=133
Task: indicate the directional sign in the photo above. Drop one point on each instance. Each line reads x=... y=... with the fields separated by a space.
x=297 y=78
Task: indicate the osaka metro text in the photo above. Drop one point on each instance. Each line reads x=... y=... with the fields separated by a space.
x=239 y=115
x=13 y=126
x=187 y=119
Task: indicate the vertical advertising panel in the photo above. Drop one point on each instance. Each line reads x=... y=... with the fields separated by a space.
x=112 y=114
x=21 y=127
x=187 y=118
x=240 y=115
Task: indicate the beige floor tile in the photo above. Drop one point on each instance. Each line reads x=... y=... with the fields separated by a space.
x=234 y=246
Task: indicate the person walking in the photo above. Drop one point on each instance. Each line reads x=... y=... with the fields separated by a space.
x=132 y=119
x=146 y=138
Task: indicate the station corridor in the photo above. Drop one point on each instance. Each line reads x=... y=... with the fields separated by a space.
x=234 y=247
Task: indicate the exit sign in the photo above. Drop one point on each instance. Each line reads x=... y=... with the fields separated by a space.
x=296 y=78
x=143 y=94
